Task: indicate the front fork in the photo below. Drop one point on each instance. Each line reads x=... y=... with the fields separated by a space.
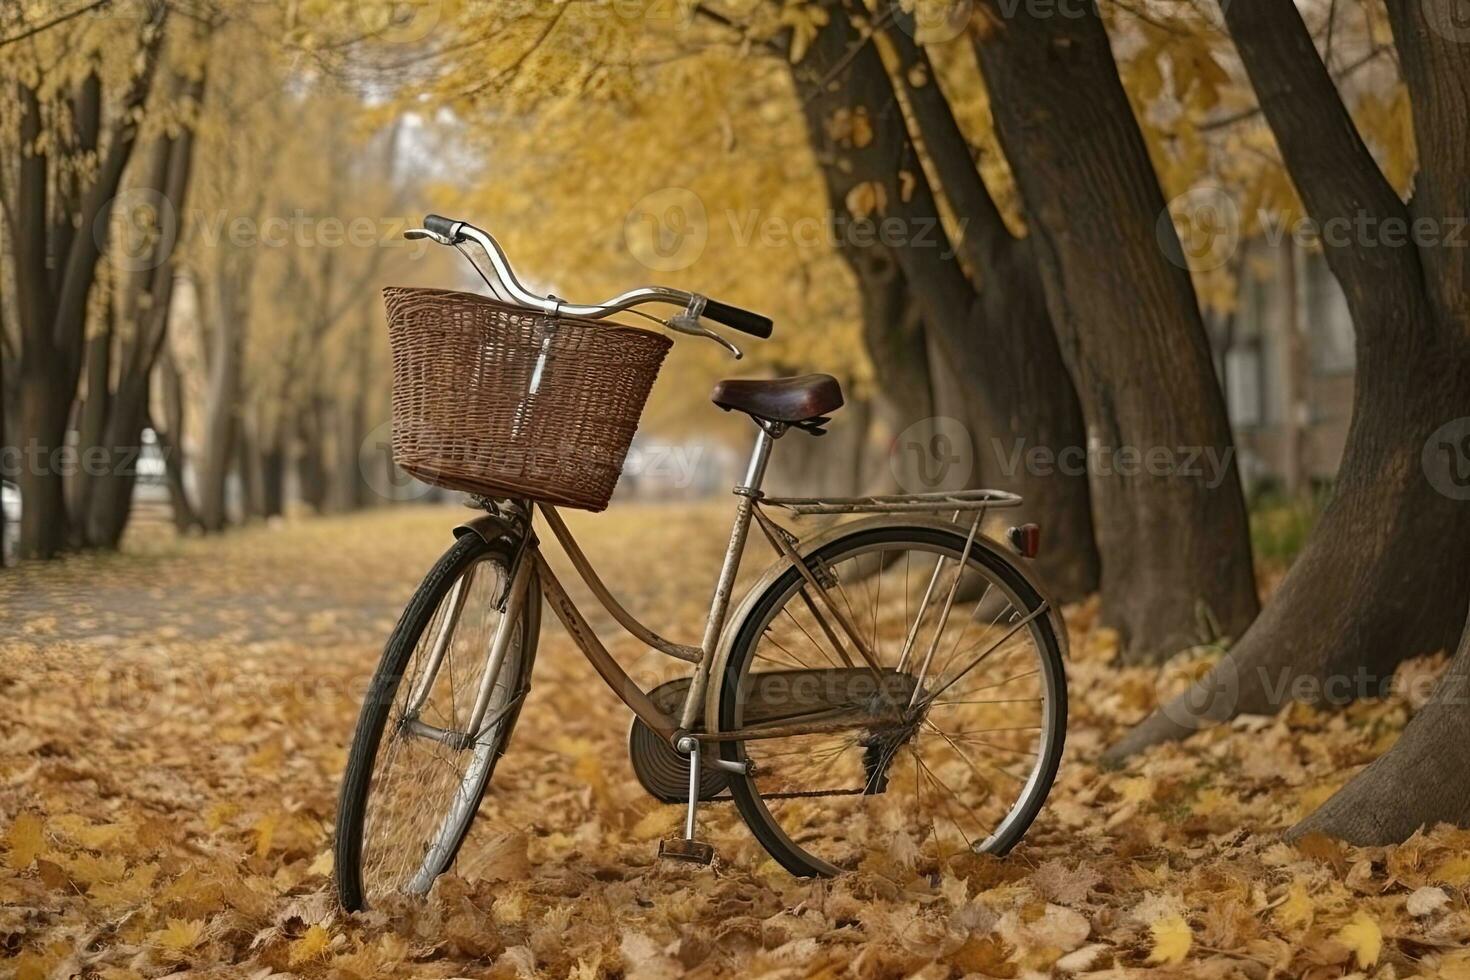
x=511 y=606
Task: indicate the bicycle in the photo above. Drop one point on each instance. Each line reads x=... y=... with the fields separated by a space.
x=841 y=705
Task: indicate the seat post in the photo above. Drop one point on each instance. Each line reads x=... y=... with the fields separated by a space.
x=746 y=496
x=760 y=455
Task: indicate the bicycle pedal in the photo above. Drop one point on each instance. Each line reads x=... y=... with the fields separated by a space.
x=682 y=849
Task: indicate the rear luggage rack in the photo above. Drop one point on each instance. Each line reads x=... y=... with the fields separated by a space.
x=944 y=500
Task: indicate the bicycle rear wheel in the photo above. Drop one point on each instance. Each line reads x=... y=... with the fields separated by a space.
x=947 y=744
x=415 y=775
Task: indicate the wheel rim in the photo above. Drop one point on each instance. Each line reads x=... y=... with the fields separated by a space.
x=425 y=791
x=961 y=768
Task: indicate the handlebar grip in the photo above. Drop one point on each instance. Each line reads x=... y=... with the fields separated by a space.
x=441 y=225
x=743 y=320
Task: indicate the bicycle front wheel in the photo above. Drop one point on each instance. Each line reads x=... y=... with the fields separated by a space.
x=416 y=774
x=946 y=704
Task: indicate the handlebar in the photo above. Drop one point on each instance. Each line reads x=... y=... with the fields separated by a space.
x=738 y=319
x=448 y=231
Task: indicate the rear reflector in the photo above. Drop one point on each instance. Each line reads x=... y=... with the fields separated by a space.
x=1026 y=539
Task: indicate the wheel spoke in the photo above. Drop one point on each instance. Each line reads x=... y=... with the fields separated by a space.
x=423 y=788
x=977 y=732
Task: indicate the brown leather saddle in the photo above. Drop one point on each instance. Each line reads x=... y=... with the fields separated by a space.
x=806 y=401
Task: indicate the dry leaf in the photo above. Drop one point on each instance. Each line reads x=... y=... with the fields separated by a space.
x=1363 y=936
x=1426 y=901
x=1172 y=939
x=312 y=944
x=180 y=934
x=26 y=839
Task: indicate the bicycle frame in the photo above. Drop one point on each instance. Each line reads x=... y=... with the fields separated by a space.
x=749 y=502
x=702 y=656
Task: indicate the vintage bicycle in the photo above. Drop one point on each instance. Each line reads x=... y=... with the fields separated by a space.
x=894 y=681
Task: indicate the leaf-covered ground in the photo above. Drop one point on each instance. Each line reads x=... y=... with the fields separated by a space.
x=175 y=721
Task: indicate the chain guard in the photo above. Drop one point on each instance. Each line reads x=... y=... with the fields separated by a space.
x=770 y=696
x=662 y=771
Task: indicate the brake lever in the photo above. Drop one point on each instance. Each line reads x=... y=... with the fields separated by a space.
x=735 y=352
x=414 y=234
x=689 y=323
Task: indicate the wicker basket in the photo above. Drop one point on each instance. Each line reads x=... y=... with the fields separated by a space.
x=507 y=402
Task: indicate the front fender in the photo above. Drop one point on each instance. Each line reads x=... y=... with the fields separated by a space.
x=807 y=546
x=490 y=528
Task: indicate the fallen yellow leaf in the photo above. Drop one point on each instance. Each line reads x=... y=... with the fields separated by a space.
x=1364 y=938
x=180 y=934
x=1172 y=939
x=1453 y=871
x=1297 y=910
x=27 y=839
x=321 y=865
x=312 y=944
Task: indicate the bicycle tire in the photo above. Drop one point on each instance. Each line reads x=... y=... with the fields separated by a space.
x=763 y=826
x=377 y=705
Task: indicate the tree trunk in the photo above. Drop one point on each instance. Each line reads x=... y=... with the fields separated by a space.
x=146 y=298
x=347 y=483
x=43 y=393
x=1036 y=433
x=273 y=472
x=221 y=399
x=1169 y=514
x=1026 y=410
x=998 y=342
x=44 y=406
x=112 y=499
x=311 y=469
x=893 y=333
x=1383 y=576
x=1417 y=783
x=897 y=347
x=92 y=423
x=72 y=233
x=171 y=445
x=247 y=470
x=348 y=486
x=1293 y=377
